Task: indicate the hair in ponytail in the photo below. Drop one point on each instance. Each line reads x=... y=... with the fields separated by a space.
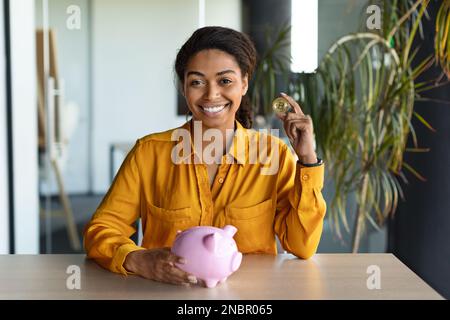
x=245 y=113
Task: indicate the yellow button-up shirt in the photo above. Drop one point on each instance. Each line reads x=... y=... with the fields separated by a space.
x=170 y=196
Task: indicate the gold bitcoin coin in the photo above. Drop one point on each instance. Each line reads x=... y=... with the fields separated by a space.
x=281 y=105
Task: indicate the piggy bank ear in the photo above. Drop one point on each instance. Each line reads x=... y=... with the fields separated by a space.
x=230 y=230
x=211 y=242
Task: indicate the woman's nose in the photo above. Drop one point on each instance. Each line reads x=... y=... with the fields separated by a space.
x=212 y=91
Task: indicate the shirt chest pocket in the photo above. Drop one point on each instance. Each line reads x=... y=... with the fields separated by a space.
x=162 y=225
x=255 y=226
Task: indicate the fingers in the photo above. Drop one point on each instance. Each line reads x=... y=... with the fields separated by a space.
x=293 y=127
x=174 y=258
x=293 y=122
x=297 y=124
x=162 y=265
x=291 y=115
x=280 y=115
x=173 y=274
x=293 y=103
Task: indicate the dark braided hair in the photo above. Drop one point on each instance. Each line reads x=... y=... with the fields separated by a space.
x=230 y=41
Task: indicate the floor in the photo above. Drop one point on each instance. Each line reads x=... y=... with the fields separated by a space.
x=83 y=207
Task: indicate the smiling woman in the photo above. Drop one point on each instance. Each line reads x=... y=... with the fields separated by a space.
x=213 y=67
x=214 y=98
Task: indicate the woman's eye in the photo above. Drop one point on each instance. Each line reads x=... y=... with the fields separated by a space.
x=226 y=81
x=195 y=82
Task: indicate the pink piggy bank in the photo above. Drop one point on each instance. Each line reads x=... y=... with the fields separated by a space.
x=211 y=253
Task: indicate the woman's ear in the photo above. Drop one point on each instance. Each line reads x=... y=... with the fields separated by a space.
x=245 y=84
x=181 y=88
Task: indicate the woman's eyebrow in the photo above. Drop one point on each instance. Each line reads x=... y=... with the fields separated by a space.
x=224 y=72
x=202 y=75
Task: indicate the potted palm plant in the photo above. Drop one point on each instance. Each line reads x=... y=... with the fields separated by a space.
x=361 y=100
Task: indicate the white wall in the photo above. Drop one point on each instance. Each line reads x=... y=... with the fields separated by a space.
x=4 y=206
x=134 y=48
x=24 y=105
x=72 y=47
x=224 y=13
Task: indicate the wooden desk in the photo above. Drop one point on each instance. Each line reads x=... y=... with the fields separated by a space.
x=324 y=276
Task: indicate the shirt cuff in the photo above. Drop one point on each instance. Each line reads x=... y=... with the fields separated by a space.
x=310 y=177
x=306 y=180
x=121 y=255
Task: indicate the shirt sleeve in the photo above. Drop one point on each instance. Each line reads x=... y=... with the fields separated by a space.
x=107 y=235
x=300 y=206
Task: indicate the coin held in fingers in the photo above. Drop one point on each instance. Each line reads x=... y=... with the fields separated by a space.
x=281 y=105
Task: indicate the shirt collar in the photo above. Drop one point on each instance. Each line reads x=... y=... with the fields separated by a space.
x=238 y=149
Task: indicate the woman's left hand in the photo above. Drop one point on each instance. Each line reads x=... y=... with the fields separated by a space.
x=299 y=129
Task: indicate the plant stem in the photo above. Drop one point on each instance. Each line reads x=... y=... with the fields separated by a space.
x=359 y=222
x=403 y=19
x=413 y=32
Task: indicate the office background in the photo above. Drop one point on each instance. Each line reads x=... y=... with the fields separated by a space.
x=117 y=69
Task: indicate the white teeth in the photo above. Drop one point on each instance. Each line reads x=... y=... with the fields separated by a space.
x=214 y=109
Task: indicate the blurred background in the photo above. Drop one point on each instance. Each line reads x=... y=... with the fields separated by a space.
x=84 y=79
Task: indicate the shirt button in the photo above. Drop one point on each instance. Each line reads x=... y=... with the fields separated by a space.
x=305 y=177
x=220 y=180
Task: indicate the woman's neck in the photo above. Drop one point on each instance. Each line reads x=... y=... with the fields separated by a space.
x=227 y=133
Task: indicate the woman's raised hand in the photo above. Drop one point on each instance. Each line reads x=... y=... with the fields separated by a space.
x=299 y=129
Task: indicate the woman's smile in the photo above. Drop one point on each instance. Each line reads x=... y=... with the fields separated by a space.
x=215 y=110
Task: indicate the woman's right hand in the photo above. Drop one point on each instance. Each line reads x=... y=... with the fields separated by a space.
x=159 y=265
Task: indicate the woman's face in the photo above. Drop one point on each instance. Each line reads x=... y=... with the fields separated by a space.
x=213 y=88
